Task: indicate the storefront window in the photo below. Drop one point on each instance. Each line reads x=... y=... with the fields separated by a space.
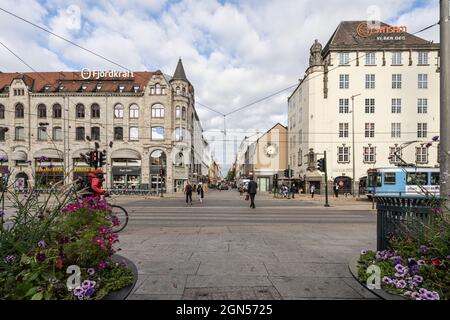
x=49 y=172
x=81 y=169
x=126 y=173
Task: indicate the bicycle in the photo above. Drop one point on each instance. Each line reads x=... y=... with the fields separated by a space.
x=119 y=216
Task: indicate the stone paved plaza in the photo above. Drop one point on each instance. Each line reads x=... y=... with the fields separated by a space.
x=221 y=249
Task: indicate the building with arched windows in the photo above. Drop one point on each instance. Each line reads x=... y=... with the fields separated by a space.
x=145 y=121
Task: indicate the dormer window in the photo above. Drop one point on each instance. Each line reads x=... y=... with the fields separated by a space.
x=99 y=87
x=83 y=88
x=61 y=88
x=136 y=88
x=46 y=88
x=121 y=88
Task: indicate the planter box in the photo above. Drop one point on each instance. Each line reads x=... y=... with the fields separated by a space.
x=353 y=267
x=123 y=293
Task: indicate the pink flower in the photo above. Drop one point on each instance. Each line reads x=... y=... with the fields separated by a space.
x=101 y=265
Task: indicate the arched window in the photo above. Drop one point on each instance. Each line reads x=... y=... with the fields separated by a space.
x=158 y=88
x=177 y=112
x=118 y=133
x=118 y=111
x=57 y=111
x=2 y=111
x=158 y=111
x=20 y=111
x=183 y=113
x=80 y=134
x=42 y=111
x=184 y=91
x=95 y=111
x=57 y=134
x=134 y=111
x=80 y=111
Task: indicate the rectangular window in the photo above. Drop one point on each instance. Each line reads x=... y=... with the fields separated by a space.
x=416 y=178
x=422 y=105
x=369 y=154
x=95 y=133
x=370 y=81
x=57 y=134
x=42 y=134
x=396 y=106
x=389 y=178
x=422 y=130
x=157 y=133
x=118 y=133
x=396 y=130
x=20 y=134
x=344 y=58
x=396 y=81
x=134 y=133
x=370 y=105
x=434 y=179
x=369 y=130
x=396 y=58
x=343 y=106
x=343 y=154
x=370 y=59
x=2 y=134
x=395 y=154
x=344 y=81
x=423 y=81
x=422 y=58
x=343 y=130
x=80 y=134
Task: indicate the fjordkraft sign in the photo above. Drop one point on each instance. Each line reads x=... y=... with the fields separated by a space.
x=364 y=30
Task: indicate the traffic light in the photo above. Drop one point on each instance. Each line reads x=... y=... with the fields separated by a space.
x=291 y=173
x=321 y=165
x=275 y=177
x=286 y=173
x=94 y=159
x=102 y=159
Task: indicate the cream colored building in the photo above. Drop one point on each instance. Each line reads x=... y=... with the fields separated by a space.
x=145 y=121
x=265 y=157
x=393 y=77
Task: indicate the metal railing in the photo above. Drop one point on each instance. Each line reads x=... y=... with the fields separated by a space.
x=401 y=216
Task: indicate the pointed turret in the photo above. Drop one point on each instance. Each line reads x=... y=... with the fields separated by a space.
x=179 y=72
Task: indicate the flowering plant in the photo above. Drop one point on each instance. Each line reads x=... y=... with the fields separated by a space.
x=44 y=240
x=416 y=268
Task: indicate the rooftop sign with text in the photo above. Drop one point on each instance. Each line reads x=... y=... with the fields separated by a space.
x=365 y=30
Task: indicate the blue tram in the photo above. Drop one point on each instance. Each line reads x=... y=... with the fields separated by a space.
x=403 y=182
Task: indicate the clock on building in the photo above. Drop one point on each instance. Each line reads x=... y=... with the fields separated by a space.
x=271 y=150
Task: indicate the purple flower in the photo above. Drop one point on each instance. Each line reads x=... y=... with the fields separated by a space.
x=400 y=284
x=421 y=262
x=363 y=252
x=412 y=261
x=88 y=284
x=78 y=291
x=42 y=244
x=387 y=280
x=415 y=268
x=397 y=260
x=40 y=257
x=89 y=292
x=10 y=259
x=423 y=250
x=418 y=279
x=416 y=296
x=91 y=271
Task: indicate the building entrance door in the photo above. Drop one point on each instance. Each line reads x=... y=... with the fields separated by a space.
x=263 y=184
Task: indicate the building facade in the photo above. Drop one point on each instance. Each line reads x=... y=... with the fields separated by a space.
x=371 y=91
x=145 y=121
x=264 y=157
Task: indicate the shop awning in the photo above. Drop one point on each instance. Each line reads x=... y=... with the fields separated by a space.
x=49 y=153
x=19 y=156
x=3 y=155
x=76 y=154
x=126 y=154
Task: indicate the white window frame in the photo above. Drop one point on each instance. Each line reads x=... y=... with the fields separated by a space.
x=396 y=130
x=343 y=155
x=370 y=81
x=369 y=130
x=344 y=81
x=396 y=105
x=371 y=59
x=344 y=58
x=397 y=58
x=422 y=81
x=421 y=155
x=344 y=105
x=397 y=81
x=369 y=105
x=134 y=133
x=343 y=130
x=153 y=136
x=422 y=58
x=422 y=105
x=394 y=159
x=422 y=130
x=369 y=155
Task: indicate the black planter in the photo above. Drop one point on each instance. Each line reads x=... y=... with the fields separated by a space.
x=123 y=293
x=380 y=293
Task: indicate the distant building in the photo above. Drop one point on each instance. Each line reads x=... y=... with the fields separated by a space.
x=146 y=122
x=393 y=77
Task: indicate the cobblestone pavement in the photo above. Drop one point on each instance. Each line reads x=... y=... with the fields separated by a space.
x=221 y=249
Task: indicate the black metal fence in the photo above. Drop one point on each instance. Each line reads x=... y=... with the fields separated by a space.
x=401 y=216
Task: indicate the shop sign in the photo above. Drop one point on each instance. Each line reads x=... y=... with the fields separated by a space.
x=55 y=169
x=365 y=30
x=84 y=169
x=127 y=170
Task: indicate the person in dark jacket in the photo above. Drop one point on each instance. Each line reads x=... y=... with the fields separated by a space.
x=252 y=188
x=200 y=192
x=188 y=191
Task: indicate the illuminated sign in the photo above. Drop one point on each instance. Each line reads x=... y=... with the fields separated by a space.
x=364 y=30
x=56 y=169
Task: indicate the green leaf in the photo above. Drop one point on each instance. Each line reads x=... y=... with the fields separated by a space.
x=37 y=296
x=31 y=292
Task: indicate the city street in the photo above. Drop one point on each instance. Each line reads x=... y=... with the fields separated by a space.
x=221 y=249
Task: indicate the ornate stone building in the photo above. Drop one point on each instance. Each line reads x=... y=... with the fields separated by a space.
x=145 y=121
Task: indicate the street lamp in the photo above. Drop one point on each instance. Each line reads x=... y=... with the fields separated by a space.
x=353 y=142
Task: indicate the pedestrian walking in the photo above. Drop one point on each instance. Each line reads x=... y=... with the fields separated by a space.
x=293 y=190
x=200 y=192
x=313 y=189
x=336 y=190
x=188 y=191
x=252 y=188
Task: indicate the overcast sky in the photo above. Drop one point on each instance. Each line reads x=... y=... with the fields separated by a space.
x=234 y=52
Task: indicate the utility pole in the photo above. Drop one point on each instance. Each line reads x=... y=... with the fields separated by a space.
x=326 y=179
x=445 y=99
x=353 y=144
